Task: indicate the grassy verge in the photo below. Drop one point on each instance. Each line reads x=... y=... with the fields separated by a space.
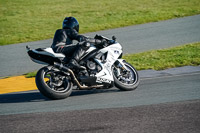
x=184 y=55
x=31 y=74
x=166 y=58
x=22 y=21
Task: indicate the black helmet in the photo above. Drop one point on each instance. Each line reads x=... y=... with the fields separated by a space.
x=70 y=23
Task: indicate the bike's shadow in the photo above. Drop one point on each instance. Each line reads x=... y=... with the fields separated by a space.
x=29 y=96
x=36 y=96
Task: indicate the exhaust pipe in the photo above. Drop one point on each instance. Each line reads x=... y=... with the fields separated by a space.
x=61 y=67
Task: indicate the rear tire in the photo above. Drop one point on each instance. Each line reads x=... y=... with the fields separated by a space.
x=48 y=88
x=124 y=82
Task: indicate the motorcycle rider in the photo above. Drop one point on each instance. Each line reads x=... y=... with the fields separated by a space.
x=63 y=42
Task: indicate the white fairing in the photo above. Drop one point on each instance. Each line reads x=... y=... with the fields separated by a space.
x=39 y=62
x=50 y=52
x=114 y=51
x=91 y=49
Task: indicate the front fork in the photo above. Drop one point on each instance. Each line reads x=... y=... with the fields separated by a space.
x=120 y=67
x=120 y=64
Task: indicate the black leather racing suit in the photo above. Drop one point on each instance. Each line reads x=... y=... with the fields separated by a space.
x=63 y=43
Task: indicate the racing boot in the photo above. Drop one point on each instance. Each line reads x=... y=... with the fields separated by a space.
x=74 y=64
x=74 y=61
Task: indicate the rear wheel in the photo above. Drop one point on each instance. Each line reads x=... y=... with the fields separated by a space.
x=126 y=79
x=53 y=84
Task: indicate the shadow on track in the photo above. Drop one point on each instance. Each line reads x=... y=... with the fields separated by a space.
x=94 y=91
x=22 y=97
x=35 y=96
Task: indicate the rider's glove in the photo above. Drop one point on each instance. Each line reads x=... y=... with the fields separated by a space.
x=104 y=43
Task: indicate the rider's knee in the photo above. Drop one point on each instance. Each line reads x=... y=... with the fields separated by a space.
x=85 y=45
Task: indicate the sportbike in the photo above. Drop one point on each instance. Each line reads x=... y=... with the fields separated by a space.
x=104 y=69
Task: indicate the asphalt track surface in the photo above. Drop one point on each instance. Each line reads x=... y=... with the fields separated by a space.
x=179 y=117
x=168 y=103
x=134 y=39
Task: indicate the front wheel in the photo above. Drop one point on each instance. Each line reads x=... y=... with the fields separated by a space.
x=125 y=78
x=53 y=84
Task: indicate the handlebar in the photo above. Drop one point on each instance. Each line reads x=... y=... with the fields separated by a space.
x=109 y=41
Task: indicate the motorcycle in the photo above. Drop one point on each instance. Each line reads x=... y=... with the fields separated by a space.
x=104 y=69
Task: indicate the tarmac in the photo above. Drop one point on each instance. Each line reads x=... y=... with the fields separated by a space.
x=21 y=83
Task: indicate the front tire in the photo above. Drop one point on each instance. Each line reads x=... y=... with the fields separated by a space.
x=53 y=84
x=126 y=80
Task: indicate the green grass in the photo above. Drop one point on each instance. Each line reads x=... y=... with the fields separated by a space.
x=31 y=74
x=166 y=58
x=30 y=20
x=183 y=55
